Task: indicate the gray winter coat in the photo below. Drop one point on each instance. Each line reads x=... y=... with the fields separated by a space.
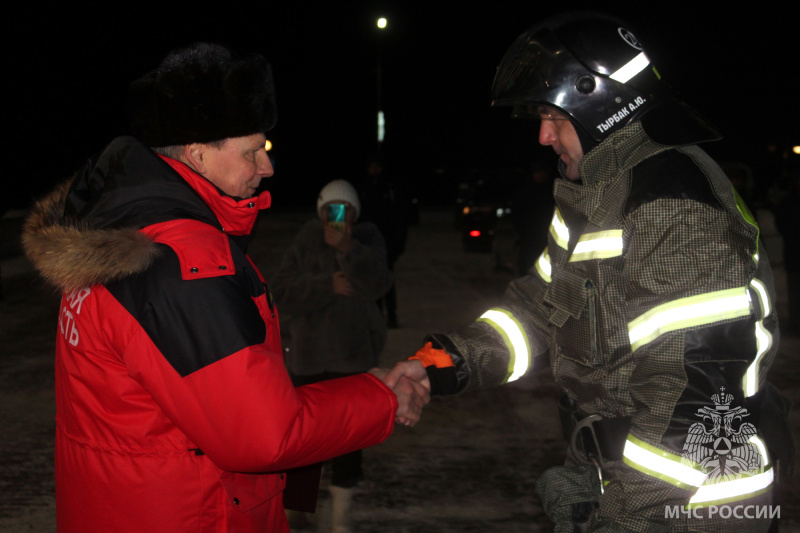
x=330 y=332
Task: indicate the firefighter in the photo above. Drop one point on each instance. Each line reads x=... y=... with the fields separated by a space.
x=652 y=303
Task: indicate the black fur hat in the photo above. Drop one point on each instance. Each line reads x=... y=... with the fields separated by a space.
x=202 y=94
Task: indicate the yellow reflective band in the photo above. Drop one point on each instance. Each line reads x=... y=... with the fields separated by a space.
x=734 y=490
x=661 y=464
x=598 y=245
x=631 y=68
x=543 y=266
x=763 y=340
x=763 y=344
x=763 y=296
x=688 y=312
x=519 y=349
x=559 y=230
x=748 y=217
x=719 y=492
x=744 y=210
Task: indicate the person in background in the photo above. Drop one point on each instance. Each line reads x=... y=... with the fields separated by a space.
x=175 y=411
x=653 y=303
x=385 y=204
x=329 y=281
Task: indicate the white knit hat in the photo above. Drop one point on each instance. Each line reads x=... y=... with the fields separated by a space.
x=341 y=191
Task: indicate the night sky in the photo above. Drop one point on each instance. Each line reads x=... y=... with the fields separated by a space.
x=69 y=70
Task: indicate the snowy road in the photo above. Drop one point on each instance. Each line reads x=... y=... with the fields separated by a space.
x=469 y=466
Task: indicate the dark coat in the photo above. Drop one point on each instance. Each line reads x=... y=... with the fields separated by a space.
x=330 y=332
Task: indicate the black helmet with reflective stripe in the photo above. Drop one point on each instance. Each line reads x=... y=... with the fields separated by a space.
x=593 y=69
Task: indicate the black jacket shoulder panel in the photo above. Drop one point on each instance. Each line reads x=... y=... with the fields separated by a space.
x=669 y=175
x=194 y=323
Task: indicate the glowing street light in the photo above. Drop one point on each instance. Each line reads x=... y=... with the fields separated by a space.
x=379 y=86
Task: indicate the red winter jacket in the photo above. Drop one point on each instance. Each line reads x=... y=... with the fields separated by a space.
x=174 y=409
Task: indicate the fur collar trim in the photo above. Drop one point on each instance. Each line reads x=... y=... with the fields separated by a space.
x=70 y=255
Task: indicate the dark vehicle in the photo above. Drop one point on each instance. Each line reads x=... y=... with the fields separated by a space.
x=484 y=201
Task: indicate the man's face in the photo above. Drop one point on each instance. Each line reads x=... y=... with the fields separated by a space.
x=238 y=166
x=557 y=131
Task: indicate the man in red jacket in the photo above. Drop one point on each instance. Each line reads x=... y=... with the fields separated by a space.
x=174 y=409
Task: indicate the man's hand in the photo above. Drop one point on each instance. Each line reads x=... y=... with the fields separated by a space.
x=412 y=396
x=342 y=241
x=341 y=285
x=411 y=369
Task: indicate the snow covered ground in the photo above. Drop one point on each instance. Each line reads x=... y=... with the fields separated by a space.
x=469 y=466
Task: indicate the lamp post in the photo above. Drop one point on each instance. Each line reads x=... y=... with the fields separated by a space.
x=381 y=23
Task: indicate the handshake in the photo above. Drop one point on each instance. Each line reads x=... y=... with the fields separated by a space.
x=409 y=381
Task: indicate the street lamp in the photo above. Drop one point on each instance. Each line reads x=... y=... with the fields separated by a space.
x=381 y=23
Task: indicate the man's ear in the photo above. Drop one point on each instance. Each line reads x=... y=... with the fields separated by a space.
x=194 y=156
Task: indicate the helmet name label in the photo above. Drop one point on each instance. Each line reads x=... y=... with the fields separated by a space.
x=629 y=38
x=621 y=114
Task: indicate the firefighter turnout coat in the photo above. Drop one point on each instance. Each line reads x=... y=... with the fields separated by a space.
x=653 y=300
x=174 y=409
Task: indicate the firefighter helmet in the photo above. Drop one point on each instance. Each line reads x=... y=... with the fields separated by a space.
x=593 y=69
